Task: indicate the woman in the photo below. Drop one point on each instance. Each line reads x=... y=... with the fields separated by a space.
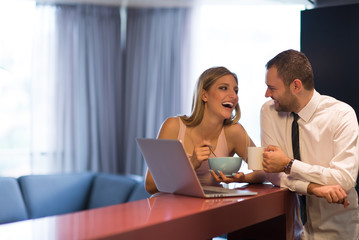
x=212 y=124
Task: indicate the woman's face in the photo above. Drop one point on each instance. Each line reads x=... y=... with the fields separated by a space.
x=222 y=98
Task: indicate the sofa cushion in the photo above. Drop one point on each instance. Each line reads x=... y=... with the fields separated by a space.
x=47 y=195
x=12 y=206
x=110 y=189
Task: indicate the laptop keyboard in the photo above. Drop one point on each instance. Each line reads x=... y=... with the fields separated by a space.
x=214 y=189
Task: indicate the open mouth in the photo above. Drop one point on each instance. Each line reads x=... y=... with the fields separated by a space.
x=227 y=105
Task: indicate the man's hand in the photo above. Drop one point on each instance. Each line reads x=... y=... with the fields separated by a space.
x=333 y=193
x=274 y=159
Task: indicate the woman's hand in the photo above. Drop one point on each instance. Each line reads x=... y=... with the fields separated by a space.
x=253 y=177
x=237 y=177
x=200 y=153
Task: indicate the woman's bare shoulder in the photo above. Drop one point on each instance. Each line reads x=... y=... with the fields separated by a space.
x=236 y=133
x=171 y=122
x=169 y=128
x=234 y=130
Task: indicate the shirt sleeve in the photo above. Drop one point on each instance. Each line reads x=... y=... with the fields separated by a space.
x=268 y=137
x=283 y=180
x=343 y=166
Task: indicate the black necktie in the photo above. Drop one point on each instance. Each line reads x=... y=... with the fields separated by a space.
x=295 y=137
x=296 y=154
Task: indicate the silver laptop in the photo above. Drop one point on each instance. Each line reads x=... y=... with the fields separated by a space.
x=173 y=172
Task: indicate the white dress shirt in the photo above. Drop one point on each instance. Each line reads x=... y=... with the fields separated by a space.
x=329 y=150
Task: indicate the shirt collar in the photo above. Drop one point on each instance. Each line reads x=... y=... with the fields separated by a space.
x=307 y=112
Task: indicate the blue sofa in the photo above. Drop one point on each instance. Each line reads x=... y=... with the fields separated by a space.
x=35 y=196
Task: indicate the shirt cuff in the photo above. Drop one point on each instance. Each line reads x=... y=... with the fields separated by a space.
x=301 y=187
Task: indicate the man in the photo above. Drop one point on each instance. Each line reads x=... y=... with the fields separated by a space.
x=326 y=164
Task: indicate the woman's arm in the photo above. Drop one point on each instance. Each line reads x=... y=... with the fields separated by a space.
x=238 y=140
x=150 y=184
x=253 y=177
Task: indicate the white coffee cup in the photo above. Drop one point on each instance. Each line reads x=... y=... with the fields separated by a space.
x=255 y=158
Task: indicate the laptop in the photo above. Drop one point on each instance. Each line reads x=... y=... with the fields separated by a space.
x=173 y=173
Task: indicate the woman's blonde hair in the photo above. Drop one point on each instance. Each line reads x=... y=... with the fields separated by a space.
x=205 y=81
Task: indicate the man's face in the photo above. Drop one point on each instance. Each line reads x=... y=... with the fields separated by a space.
x=284 y=99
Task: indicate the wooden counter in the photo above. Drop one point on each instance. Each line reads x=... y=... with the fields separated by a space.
x=167 y=216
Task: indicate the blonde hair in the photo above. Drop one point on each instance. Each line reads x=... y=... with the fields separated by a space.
x=205 y=81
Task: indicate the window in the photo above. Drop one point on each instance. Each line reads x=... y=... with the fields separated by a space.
x=16 y=23
x=244 y=38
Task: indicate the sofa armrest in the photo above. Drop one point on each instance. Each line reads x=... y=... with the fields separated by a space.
x=139 y=192
x=12 y=206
